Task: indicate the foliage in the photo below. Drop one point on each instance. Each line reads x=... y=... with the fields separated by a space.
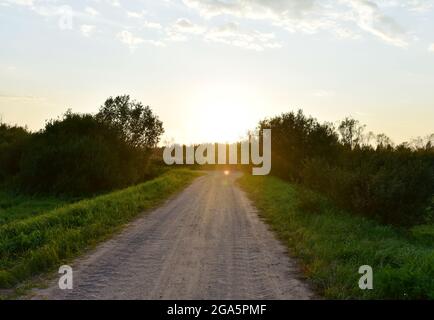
x=14 y=207
x=391 y=184
x=13 y=140
x=140 y=127
x=296 y=138
x=79 y=155
x=82 y=154
x=332 y=244
x=38 y=244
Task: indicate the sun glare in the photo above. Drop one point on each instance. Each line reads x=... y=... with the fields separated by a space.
x=223 y=115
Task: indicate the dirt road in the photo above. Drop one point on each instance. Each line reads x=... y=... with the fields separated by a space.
x=206 y=243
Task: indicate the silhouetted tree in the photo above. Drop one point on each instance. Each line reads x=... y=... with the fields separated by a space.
x=392 y=185
x=351 y=132
x=383 y=141
x=13 y=140
x=140 y=127
x=85 y=154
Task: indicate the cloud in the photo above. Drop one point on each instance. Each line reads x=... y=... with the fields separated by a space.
x=420 y=6
x=152 y=25
x=91 y=11
x=344 y=18
x=129 y=39
x=114 y=3
x=137 y=15
x=253 y=9
x=27 y=3
x=232 y=34
x=369 y=17
x=133 y=41
x=431 y=48
x=87 y=30
x=182 y=28
x=186 y=26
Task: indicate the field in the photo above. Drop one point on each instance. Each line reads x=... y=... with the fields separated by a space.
x=31 y=243
x=331 y=245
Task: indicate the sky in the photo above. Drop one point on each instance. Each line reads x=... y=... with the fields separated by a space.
x=211 y=69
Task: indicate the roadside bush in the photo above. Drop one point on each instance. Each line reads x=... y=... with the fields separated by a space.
x=136 y=123
x=331 y=246
x=296 y=138
x=393 y=185
x=309 y=202
x=423 y=233
x=13 y=140
x=79 y=155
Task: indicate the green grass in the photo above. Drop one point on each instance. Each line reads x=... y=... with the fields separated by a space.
x=32 y=246
x=331 y=245
x=14 y=207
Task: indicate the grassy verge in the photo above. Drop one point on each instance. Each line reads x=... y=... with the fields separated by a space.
x=332 y=245
x=14 y=207
x=39 y=244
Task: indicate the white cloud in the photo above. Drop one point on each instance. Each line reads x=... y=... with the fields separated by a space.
x=186 y=26
x=253 y=9
x=431 y=48
x=183 y=27
x=27 y=3
x=114 y=3
x=91 y=11
x=133 y=41
x=232 y=34
x=87 y=30
x=369 y=17
x=344 y=17
x=129 y=39
x=137 y=15
x=152 y=25
x=420 y=6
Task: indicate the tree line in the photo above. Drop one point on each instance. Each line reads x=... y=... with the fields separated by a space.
x=362 y=172
x=82 y=154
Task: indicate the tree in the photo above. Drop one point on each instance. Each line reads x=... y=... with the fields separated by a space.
x=79 y=155
x=13 y=140
x=383 y=141
x=139 y=126
x=351 y=132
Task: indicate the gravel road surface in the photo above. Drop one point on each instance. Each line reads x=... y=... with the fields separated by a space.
x=205 y=243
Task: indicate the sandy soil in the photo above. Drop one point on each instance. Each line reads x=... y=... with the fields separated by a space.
x=205 y=243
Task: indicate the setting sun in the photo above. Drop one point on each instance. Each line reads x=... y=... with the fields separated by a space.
x=223 y=113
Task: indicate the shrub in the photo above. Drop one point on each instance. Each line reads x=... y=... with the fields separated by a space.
x=137 y=124
x=13 y=140
x=333 y=245
x=79 y=155
x=391 y=184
